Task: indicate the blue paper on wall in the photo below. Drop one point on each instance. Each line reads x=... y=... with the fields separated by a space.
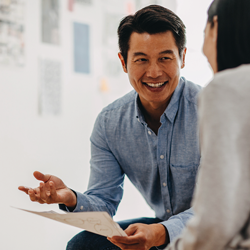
x=81 y=48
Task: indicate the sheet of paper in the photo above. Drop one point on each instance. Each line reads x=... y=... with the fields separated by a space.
x=50 y=87
x=95 y=222
x=50 y=21
x=81 y=48
x=12 y=33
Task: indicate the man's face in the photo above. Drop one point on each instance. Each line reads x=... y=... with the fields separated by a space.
x=153 y=66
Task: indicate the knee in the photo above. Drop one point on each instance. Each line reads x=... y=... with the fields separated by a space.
x=89 y=241
x=73 y=245
x=79 y=242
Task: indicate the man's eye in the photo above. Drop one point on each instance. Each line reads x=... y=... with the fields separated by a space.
x=141 y=60
x=165 y=58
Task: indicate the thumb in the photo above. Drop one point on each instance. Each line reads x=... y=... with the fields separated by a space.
x=131 y=230
x=41 y=177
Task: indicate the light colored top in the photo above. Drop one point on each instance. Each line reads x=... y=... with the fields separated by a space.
x=162 y=167
x=222 y=197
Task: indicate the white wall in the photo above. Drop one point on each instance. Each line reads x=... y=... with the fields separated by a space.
x=60 y=144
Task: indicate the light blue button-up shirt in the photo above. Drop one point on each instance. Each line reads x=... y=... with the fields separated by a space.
x=162 y=167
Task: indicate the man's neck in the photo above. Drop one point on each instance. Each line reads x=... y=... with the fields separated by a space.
x=152 y=113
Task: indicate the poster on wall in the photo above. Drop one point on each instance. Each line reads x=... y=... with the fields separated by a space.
x=50 y=87
x=110 y=25
x=12 y=27
x=112 y=66
x=50 y=22
x=81 y=48
x=84 y=2
x=80 y=3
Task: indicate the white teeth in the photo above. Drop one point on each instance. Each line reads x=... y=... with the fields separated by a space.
x=155 y=85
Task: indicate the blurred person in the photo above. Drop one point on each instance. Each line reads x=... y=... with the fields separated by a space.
x=221 y=201
x=150 y=135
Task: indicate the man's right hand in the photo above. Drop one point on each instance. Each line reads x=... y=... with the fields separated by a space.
x=51 y=190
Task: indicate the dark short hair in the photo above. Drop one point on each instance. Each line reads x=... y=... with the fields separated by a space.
x=233 y=41
x=152 y=19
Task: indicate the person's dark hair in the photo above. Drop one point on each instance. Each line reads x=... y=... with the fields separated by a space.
x=152 y=19
x=233 y=41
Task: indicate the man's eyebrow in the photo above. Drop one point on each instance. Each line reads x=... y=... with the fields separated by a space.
x=168 y=51
x=139 y=54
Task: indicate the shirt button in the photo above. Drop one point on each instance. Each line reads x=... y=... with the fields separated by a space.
x=168 y=211
x=81 y=207
x=149 y=133
x=164 y=184
x=162 y=156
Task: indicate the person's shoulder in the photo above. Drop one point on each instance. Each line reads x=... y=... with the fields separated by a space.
x=235 y=80
x=122 y=102
x=191 y=91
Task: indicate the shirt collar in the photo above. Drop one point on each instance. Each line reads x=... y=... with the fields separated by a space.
x=170 y=111
x=173 y=105
x=138 y=112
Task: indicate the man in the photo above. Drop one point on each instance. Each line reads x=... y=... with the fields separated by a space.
x=150 y=135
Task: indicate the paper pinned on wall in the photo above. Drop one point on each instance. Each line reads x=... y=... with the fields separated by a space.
x=104 y=86
x=50 y=22
x=50 y=87
x=70 y=5
x=81 y=48
x=110 y=24
x=112 y=65
x=96 y=222
x=86 y=2
x=12 y=28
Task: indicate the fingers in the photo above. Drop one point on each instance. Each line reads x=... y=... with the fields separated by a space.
x=53 y=193
x=43 y=192
x=48 y=192
x=34 y=195
x=131 y=229
x=136 y=239
x=24 y=189
x=127 y=240
x=41 y=177
x=123 y=246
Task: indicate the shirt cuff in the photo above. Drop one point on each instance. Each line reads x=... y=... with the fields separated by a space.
x=174 y=228
x=78 y=208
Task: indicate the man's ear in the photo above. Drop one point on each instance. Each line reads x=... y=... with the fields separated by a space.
x=214 y=30
x=122 y=62
x=183 y=58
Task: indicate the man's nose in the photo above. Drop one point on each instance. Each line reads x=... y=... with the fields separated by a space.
x=153 y=70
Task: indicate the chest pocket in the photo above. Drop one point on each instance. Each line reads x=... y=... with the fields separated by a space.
x=182 y=183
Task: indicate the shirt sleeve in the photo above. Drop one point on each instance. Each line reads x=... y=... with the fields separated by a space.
x=176 y=223
x=105 y=188
x=221 y=200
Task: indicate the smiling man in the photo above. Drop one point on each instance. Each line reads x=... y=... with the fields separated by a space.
x=150 y=135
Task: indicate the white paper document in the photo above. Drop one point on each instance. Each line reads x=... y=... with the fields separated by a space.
x=95 y=222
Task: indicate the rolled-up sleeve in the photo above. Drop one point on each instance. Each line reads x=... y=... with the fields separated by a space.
x=105 y=189
x=177 y=223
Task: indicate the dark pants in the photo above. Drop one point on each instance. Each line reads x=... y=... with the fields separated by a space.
x=90 y=241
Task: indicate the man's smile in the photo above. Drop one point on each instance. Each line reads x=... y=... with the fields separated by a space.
x=155 y=85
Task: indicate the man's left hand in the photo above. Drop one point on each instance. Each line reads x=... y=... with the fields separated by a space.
x=141 y=236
